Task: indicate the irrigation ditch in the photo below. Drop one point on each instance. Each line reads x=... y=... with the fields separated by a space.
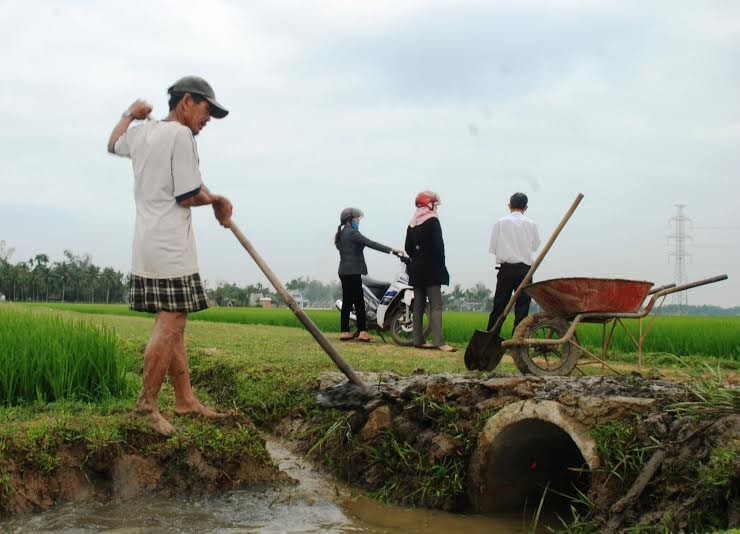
x=608 y=453
x=613 y=452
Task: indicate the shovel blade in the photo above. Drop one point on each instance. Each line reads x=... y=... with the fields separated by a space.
x=484 y=351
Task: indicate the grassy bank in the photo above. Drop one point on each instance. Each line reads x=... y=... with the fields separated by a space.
x=57 y=442
x=682 y=336
x=266 y=372
x=269 y=371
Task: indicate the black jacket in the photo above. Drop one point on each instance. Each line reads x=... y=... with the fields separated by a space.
x=426 y=248
x=350 y=245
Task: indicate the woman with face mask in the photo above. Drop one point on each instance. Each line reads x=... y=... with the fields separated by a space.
x=427 y=272
x=351 y=244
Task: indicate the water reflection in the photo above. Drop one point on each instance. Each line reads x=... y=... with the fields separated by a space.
x=314 y=505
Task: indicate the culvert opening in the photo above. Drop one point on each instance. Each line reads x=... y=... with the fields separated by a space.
x=523 y=459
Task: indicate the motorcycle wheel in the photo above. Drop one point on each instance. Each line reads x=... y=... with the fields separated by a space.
x=402 y=330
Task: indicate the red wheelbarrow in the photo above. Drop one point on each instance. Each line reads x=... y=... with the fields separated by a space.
x=546 y=343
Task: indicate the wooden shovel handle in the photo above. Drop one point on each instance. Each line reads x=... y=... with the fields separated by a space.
x=291 y=303
x=536 y=263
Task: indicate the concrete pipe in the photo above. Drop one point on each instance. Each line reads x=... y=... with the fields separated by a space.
x=523 y=448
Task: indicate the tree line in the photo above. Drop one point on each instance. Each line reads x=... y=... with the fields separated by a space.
x=317 y=294
x=77 y=279
x=307 y=292
x=74 y=279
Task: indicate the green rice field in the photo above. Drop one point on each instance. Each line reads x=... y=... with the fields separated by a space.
x=682 y=336
x=47 y=358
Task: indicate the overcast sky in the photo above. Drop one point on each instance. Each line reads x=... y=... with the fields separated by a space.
x=349 y=103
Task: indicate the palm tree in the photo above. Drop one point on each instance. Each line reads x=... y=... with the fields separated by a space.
x=455 y=298
x=40 y=275
x=61 y=271
x=90 y=275
x=22 y=280
x=111 y=278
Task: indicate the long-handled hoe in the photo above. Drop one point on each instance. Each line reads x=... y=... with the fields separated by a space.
x=318 y=335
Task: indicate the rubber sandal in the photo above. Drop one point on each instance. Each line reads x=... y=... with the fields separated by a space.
x=363 y=340
x=426 y=346
x=446 y=348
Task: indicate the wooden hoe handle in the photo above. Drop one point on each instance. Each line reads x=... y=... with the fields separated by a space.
x=291 y=303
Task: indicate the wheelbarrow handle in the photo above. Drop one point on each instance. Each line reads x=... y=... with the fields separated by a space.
x=536 y=263
x=683 y=287
x=660 y=288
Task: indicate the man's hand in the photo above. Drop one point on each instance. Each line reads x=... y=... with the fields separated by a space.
x=140 y=109
x=223 y=209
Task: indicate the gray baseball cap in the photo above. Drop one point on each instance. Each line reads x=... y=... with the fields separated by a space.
x=197 y=85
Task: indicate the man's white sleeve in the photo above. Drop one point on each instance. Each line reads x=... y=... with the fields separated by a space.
x=121 y=146
x=186 y=179
x=494 y=239
x=535 y=238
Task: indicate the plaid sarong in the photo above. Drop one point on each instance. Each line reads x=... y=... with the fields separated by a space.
x=183 y=294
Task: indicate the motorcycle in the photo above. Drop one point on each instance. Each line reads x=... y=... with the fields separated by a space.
x=389 y=307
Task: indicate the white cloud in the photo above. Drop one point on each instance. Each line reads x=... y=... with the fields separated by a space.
x=355 y=103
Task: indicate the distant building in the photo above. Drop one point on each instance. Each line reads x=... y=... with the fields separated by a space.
x=472 y=305
x=254 y=299
x=298 y=297
x=265 y=302
x=2 y=297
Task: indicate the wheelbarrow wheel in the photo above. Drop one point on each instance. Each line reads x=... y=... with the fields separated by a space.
x=547 y=360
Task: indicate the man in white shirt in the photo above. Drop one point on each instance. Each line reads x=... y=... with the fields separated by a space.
x=164 y=268
x=513 y=240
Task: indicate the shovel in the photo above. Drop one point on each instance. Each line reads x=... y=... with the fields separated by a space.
x=484 y=351
x=302 y=317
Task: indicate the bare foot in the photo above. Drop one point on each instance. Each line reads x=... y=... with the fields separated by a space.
x=202 y=409
x=156 y=422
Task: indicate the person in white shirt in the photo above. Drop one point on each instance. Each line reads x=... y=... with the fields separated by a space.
x=513 y=240
x=164 y=268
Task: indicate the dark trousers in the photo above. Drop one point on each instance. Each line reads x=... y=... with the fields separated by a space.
x=510 y=275
x=352 y=296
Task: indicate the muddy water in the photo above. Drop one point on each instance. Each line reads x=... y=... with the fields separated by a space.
x=315 y=504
